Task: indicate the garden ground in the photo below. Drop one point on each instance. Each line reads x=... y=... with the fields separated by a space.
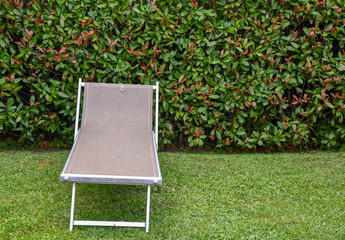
x=203 y=196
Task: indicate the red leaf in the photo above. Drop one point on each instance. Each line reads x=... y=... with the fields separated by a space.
x=146 y=46
x=27 y=31
x=41 y=50
x=79 y=41
x=197 y=132
x=19 y=43
x=245 y=52
x=308 y=63
x=323 y=92
x=62 y=50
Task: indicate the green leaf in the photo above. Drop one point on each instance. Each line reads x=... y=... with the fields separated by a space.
x=244 y=62
x=341 y=67
x=62 y=22
x=59 y=28
x=95 y=46
x=286 y=24
x=2 y=43
x=17 y=12
x=295 y=45
x=210 y=44
x=64 y=95
x=103 y=5
x=136 y=10
x=101 y=71
x=219 y=136
x=329 y=105
x=112 y=56
x=241 y=133
x=214 y=96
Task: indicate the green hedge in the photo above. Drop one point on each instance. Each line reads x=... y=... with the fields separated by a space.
x=233 y=74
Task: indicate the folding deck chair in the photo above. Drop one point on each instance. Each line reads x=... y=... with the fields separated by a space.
x=116 y=143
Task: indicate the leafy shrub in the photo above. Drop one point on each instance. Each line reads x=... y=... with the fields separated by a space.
x=232 y=73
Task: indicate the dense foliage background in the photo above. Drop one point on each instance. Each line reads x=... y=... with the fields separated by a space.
x=233 y=73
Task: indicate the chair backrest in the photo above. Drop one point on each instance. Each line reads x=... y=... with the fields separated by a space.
x=117 y=107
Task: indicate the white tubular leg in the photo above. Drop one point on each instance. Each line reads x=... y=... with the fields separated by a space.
x=148 y=208
x=157 y=112
x=78 y=109
x=72 y=208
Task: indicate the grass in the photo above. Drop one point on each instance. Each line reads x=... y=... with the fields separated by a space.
x=203 y=196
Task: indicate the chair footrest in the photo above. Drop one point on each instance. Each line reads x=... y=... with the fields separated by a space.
x=109 y=223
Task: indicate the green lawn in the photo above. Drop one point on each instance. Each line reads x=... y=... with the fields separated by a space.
x=203 y=196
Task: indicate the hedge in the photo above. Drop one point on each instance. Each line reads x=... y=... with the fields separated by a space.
x=233 y=74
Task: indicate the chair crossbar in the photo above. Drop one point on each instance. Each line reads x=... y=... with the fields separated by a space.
x=109 y=223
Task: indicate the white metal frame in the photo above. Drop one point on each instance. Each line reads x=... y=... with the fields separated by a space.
x=84 y=178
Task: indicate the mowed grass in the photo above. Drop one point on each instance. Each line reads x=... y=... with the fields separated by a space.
x=203 y=196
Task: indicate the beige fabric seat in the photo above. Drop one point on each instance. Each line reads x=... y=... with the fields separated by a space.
x=113 y=153
x=116 y=143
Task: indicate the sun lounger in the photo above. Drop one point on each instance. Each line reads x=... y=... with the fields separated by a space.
x=116 y=143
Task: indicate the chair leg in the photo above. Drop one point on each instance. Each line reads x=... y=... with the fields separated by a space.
x=72 y=207
x=148 y=208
